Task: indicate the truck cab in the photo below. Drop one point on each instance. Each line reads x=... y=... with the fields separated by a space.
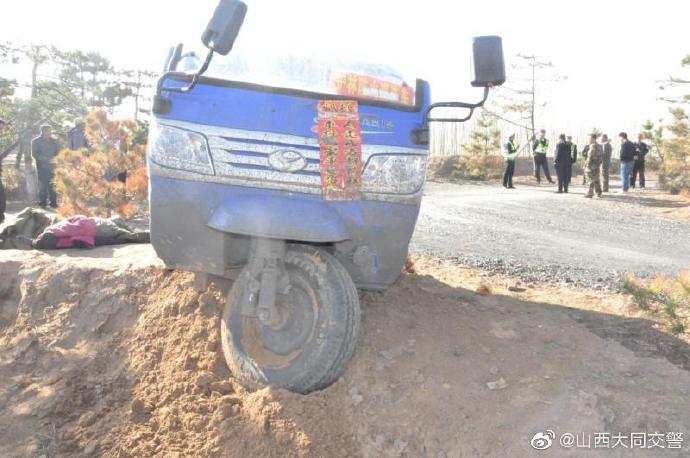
x=300 y=179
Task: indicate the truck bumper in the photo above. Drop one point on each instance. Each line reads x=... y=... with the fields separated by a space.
x=206 y=227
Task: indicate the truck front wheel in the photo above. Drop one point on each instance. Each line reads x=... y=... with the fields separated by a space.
x=309 y=347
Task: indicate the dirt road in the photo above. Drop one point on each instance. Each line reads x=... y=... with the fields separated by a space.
x=106 y=353
x=539 y=235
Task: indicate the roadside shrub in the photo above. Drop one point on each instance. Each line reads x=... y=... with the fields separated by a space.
x=11 y=179
x=477 y=167
x=667 y=298
x=653 y=163
x=110 y=177
x=674 y=175
x=440 y=167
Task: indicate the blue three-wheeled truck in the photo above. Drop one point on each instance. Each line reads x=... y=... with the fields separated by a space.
x=299 y=192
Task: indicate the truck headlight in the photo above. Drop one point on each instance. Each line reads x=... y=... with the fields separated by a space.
x=394 y=173
x=179 y=149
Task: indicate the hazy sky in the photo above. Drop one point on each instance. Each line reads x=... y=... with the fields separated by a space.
x=612 y=52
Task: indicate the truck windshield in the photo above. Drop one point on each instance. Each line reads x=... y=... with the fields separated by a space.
x=333 y=77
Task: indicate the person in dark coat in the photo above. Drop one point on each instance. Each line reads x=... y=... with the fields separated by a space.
x=3 y=198
x=627 y=158
x=43 y=150
x=638 y=166
x=76 y=138
x=563 y=163
x=573 y=155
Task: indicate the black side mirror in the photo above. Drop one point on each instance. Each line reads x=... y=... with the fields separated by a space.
x=222 y=30
x=489 y=66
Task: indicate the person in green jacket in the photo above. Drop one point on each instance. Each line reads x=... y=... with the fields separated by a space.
x=605 y=162
x=510 y=152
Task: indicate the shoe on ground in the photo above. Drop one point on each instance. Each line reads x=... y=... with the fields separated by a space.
x=587 y=196
x=599 y=196
x=511 y=187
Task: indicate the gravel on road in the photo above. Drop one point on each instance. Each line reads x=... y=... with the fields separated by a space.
x=538 y=235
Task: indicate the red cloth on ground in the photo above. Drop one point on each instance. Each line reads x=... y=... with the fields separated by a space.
x=74 y=229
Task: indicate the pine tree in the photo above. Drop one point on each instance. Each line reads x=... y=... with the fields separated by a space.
x=485 y=144
x=90 y=182
x=485 y=139
x=675 y=150
x=675 y=171
x=654 y=135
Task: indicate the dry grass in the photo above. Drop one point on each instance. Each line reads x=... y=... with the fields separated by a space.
x=484 y=289
x=667 y=298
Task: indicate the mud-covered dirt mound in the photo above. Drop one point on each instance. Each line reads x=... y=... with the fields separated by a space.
x=121 y=362
x=110 y=354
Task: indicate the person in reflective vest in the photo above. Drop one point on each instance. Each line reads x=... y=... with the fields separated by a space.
x=540 y=147
x=510 y=152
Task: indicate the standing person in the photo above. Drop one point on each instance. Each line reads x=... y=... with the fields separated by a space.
x=510 y=153
x=76 y=138
x=641 y=150
x=44 y=149
x=3 y=197
x=627 y=157
x=573 y=155
x=585 y=150
x=605 y=162
x=592 y=164
x=563 y=164
x=540 y=148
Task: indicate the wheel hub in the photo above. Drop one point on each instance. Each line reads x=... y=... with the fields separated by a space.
x=293 y=331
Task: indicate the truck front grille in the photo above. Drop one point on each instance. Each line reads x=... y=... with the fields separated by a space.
x=242 y=157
